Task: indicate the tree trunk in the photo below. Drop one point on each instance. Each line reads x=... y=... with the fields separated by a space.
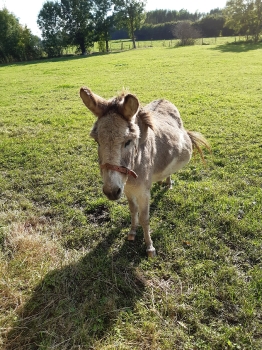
x=134 y=41
x=132 y=34
x=82 y=47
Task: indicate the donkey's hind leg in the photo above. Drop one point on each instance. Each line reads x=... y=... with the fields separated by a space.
x=169 y=182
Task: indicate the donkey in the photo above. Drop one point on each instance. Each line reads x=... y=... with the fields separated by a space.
x=136 y=147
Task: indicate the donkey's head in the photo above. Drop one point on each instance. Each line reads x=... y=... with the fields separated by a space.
x=117 y=134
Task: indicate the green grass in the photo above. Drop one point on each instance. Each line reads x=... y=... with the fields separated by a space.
x=68 y=277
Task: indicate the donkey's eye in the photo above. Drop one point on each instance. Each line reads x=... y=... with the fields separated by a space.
x=128 y=143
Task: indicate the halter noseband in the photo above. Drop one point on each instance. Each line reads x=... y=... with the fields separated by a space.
x=120 y=169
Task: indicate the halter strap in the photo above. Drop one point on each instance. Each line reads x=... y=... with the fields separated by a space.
x=120 y=169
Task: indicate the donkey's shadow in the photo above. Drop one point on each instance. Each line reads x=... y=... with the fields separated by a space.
x=75 y=306
x=78 y=304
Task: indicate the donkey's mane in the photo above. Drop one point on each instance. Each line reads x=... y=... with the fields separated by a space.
x=145 y=116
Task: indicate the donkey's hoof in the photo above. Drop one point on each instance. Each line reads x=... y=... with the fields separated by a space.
x=151 y=253
x=131 y=237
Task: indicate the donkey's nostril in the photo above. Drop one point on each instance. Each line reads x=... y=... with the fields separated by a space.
x=113 y=194
x=116 y=194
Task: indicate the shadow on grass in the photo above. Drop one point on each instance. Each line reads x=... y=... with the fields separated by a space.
x=228 y=47
x=237 y=47
x=80 y=304
x=77 y=305
x=158 y=191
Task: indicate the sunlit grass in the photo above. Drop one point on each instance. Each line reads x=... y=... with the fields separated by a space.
x=69 y=280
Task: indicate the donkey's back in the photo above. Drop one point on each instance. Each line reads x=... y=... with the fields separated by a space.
x=173 y=145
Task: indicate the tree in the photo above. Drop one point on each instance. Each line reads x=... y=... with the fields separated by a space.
x=255 y=16
x=184 y=15
x=49 y=21
x=211 y=25
x=68 y=22
x=236 y=16
x=186 y=32
x=9 y=29
x=216 y=12
x=161 y=16
x=130 y=14
x=78 y=24
x=244 y=17
x=29 y=45
x=103 y=21
x=165 y=16
x=17 y=43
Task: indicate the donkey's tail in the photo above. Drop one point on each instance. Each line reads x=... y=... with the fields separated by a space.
x=198 y=140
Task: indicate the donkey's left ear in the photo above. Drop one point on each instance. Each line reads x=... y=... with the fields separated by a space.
x=96 y=104
x=129 y=107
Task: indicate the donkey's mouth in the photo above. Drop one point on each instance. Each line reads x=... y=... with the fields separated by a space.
x=113 y=195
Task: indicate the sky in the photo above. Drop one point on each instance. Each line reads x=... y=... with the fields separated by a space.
x=27 y=10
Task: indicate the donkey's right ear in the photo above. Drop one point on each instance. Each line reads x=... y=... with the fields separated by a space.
x=96 y=104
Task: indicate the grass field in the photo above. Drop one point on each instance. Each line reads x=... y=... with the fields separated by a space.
x=68 y=277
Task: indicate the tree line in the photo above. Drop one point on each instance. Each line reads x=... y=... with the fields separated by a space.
x=17 y=43
x=166 y=16
x=208 y=26
x=80 y=23
x=239 y=17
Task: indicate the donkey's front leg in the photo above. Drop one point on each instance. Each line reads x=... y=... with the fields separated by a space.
x=143 y=207
x=133 y=206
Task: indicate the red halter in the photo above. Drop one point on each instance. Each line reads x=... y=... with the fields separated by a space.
x=120 y=169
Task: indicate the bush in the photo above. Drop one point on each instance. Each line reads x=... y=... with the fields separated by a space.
x=102 y=46
x=186 y=33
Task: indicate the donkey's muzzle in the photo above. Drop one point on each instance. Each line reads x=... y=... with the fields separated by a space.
x=113 y=194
